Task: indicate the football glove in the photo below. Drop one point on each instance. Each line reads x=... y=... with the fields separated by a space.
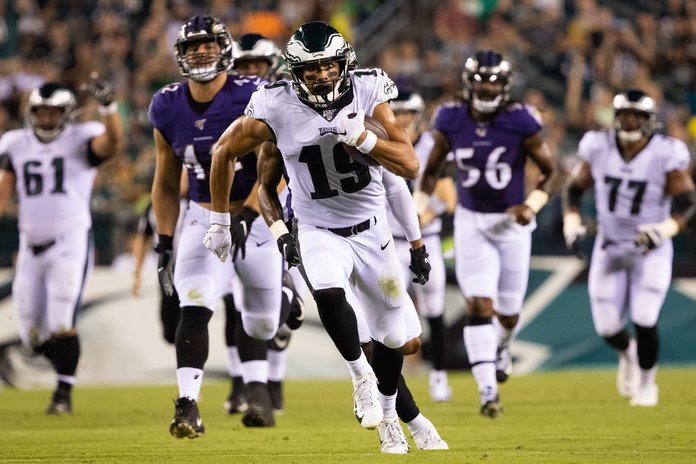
x=573 y=233
x=350 y=128
x=217 y=238
x=420 y=265
x=288 y=248
x=165 y=264
x=100 y=89
x=240 y=228
x=648 y=237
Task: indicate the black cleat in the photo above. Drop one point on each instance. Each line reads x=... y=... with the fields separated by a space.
x=275 y=391
x=60 y=404
x=492 y=408
x=296 y=316
x=236 y=401
x=260 y=412
x=187 y=421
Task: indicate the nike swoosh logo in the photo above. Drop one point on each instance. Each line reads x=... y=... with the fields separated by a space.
x=261 y=243
x=382 y=247
x=341 y=133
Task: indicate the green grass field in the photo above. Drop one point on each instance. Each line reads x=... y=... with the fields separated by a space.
x=553 y=417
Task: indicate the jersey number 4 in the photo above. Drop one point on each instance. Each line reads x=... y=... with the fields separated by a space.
x=34 y=179
x=360 y=178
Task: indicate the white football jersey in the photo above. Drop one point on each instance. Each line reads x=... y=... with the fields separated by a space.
x=423 y=146
x=54 y=180
x=328 y=188
x=631 y=193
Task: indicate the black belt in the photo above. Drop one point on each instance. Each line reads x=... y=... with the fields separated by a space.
x=41 y=247
x=352 y=230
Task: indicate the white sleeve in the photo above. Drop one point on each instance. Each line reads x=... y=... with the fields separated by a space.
x=401 y=204
x=586 y=146
x=257 y=108
x=676 y=155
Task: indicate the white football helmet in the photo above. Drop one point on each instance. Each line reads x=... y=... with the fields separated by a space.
x=639 y=102
x=52 y=95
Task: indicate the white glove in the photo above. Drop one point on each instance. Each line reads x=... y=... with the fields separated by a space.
x=217 y=238
x=651 y=236
x=573 y=232
x=350 y=129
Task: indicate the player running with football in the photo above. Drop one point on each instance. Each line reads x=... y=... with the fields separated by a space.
x=52 y=165
x=342 y=235
x=491 y=138
x=638 y=177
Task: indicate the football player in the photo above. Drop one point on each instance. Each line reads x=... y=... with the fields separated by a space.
x=52 y=165
x=188 y=118
x=255 y=55
x=408 y=109
x=638 y=177
x=491 y=138
x=342 y=236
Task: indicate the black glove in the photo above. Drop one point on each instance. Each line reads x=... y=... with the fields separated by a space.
x=240 y=228
x=420 y=265
x=165 y=264
x=100 y=89
x=288 y=248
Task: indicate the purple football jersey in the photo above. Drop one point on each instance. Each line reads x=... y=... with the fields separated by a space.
x=192 y=135
x=490 y=161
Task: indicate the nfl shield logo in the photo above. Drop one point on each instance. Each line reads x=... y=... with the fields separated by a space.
x=328 y=114
x=481 y=131
x=200 y=123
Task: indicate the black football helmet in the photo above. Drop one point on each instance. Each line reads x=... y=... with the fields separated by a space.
x=315 y=43
x=254 y=47
x=487 y=66
x=203 y=67
x=639 y=102
x=53 y=95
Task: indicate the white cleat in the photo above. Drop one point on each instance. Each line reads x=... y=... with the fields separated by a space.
x=429 y=440
x=391 y=436
x=440 y=390
x=646 y=396
x=627 y=376
x=367 y=407
x=503 y=363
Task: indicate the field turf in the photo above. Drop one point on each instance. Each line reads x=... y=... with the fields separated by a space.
x=550 y=417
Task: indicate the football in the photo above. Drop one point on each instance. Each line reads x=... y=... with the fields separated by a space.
x=375 y=126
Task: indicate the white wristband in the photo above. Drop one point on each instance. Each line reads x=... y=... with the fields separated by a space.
x=668 y=227
x=108 y=109
x=536 y=200
x=572 y=221
x=278 y=229
x=369 y=142
x=222 y=219
x=421 y=200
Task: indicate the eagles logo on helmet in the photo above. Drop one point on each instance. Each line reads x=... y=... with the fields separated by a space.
x=203 y=66
x=257 y=47
x=50 y=95
x=317 y=43
x=638 y=102
x=487 y=66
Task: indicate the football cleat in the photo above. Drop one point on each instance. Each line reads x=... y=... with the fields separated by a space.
x=391 y=436
x=187 y=422
x=260 y=411
x=236 y=401
x=440 y=390
x=491 y=406
x=296 y=316
x=366 y=405
x=628 y=372
x=275 y=391
x=429 y=440
x=646 y=396
x=503 y=363
x=60 y=404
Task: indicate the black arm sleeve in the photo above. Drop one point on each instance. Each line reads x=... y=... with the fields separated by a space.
x=6 y=163
x=93 y=159
x=572 y=195
x=685 y=205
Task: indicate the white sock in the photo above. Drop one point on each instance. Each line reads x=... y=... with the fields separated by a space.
x=359 y=367
x=388 y=403
x=418 y=424
x=190 y=380
x=504 y=335
x=66 y=378
x=647 y=376
x=234 y=364
x=255 y=371
x=277 y=365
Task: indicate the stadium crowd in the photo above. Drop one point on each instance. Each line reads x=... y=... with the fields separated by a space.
x=569 y=58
